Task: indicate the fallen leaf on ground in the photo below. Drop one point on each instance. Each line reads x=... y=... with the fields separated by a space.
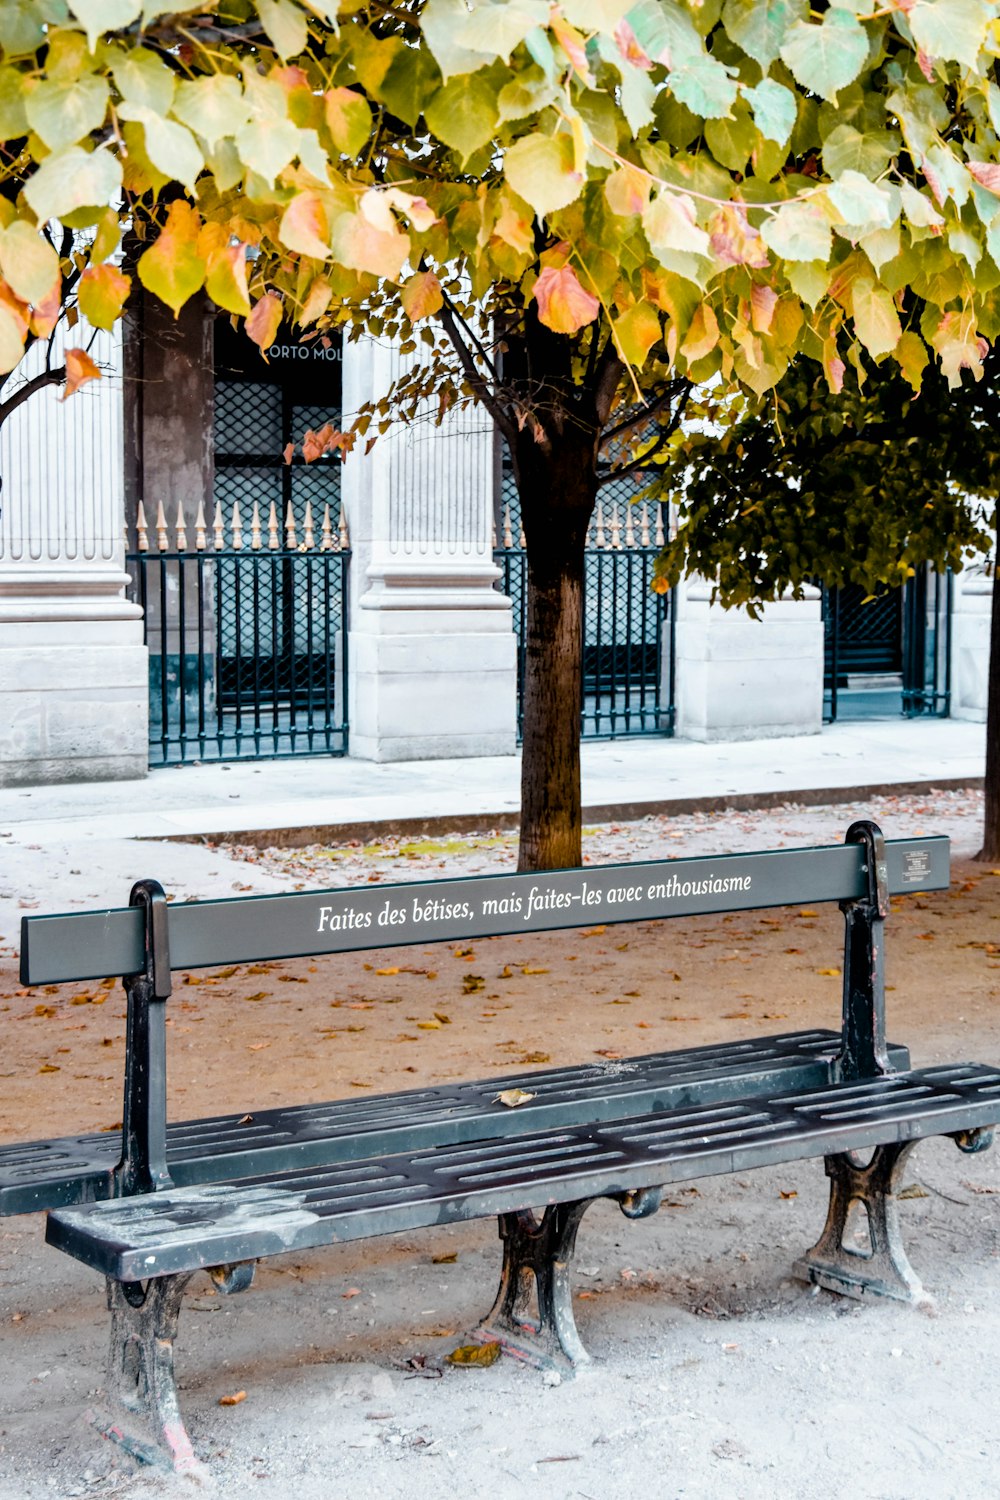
x=526 y=970
x=260 y=995
x=791 y=1194
x=429 y=1025
x=439 y=1016
x=234 y=1399
x=48 y=1068
x=471 y=983
x=913 y=1190
x=593 y=932
x=387 y=971
x=352 y=1291
x=535 y=1057
x=445 y=1260
x=833 y=973
x=512 y=1097
x=480 y=1355
x=807 y=913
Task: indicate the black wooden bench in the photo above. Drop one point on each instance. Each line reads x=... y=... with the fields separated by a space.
x=312 y=1175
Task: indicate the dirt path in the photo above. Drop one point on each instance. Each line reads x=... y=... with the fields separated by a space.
x=714 y=1374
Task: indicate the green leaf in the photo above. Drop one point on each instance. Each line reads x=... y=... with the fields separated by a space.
x=774 y=110
x=408 y=82
x=731 y=141
x=212 y=107
x=760 y=26
x=847 y=149
x=704 y=85
x=22 y=31
x=912 y=358
x=526 y=94
x=809 y=279
x=464 y=114
x=13 y=119
x=267 y=147
x=107 y=237
x=143 y=79
x=11 y=340
x=859 y=201
x=951 y=29
x=73 y=179
x=171 y=148
x=876 y=321
x=29 y=263
x=919 y=208
x=826 y=58
x=799 y=230
x=348 y=119
x=285 y=25
x=540 y=169
x=462 y=39
x=64 y=113
x=97 y=16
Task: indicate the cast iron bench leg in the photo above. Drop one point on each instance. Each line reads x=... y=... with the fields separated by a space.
x=536 y=1256
x=884 y=1269
x=141 y=1412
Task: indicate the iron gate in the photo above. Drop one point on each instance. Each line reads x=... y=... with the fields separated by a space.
x=888 y=652
x=246 y=626
x=628 y=631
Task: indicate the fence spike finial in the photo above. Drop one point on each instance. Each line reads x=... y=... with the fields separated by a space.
x=644 y=527
x=308 y=540
x=508 y=535
x=199 y=528
x=273 y=539
x=600 y=541
x=162 y=540
x=326 y=535
x=345 y=541
x=218 y=528
x=521 y=539
x=291 y=540
x=616 y=530
x=629 y=528
x=237 y=528
x=180 y=526
x=255 y=527
x=141 y=529
x=658 y=536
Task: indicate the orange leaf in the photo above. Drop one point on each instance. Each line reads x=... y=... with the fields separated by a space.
x=233 y=1400
x=79 y=369
x=563 y=304
x=265 y=320
x=305 y=228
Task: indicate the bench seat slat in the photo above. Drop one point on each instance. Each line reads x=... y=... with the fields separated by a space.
x=76 y=1169
x=165 y=1233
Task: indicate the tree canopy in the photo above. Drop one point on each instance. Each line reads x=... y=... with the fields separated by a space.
x=717 y=185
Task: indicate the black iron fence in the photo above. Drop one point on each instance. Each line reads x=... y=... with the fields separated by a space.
x=247 y=635
x=888 y=652
x=628 y=631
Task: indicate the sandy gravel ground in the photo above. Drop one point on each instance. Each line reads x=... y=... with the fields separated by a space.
x=714 y=1374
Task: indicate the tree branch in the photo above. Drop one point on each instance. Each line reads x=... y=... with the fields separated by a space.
x=480 y=385
x=30 y=388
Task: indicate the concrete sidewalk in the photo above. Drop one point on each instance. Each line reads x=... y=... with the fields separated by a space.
x=303 y=801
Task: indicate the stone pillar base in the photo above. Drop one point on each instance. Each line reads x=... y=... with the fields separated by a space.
x=432 y=669
x=745 y=679
x=73 y=701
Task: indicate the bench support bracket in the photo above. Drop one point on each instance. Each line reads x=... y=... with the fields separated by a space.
x=537 y=1253
x=140 y=1411
x=882 y=1268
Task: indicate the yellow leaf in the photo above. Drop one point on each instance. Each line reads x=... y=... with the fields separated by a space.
x=173 y=268
x=387 y=971
x=260 y=995
x=833 y=973
x=421 y=296
x=702 y=335
x=79 y=369
x=593 y=932
x=481 y=1355
x=563 y=304
x=637 y=331
x=48 y=1068
x=512 y=1097
x=526 y=970
x=429 y=1025
x=226 y=281
x=806 y=912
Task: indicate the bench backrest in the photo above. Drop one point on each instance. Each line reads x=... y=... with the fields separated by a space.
x=244 y=929
x=146 y=940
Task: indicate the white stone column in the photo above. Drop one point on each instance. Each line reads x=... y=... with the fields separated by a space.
x=73 y=667
x=431 y=649
x=970 y=643
x=742 y=679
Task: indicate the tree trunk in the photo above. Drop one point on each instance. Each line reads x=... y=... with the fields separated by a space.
x=991 y=826
x=557 y=500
